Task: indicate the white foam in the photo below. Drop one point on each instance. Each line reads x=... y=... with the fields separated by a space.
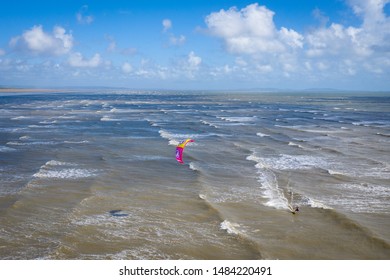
x=48 y=122
x=294 y=144
x=54 y=169
x=66 y=117
x=31 y=143
x=20 y=118
x=378 y=123
x=176 y=138
x=110 y=119
x=76 y=142
x=317 y=204
x=262 y=134
x=356 y=171
x=360 y=198
x=59 y=163
x=6 y=149
x=272 y=191
x=231 y=228
x=269 y=184
x=209 y=123
x=333 y=172
x=194 y=166
x=40 y=126
x=297 y=162
x=67 y=173
x=238 y=119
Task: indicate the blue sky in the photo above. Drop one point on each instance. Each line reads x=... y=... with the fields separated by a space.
x=196 y=44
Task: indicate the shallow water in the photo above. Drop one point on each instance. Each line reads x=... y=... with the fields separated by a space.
x=93 y=176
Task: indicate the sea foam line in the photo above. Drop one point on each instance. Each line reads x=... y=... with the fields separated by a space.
x=54 y=169
x=269 y=184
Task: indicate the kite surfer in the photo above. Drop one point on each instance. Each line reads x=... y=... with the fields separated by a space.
x=295 y=210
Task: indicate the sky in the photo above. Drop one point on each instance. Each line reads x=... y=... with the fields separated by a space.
x=196 y=44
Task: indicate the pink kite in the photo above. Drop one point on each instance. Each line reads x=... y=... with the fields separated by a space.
x=180 y=149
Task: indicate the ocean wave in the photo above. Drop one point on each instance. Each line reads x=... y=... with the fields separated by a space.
x=176 y=138
x=76 y=142
x=209 y=123
x=383 y=134
x=21 y=118
x=5 y=149
x=54 y=169
x=262 y=134
x=269 y=184
x=41 y=126
x=287 y=162
x=379 y=123
x=359 y=197
x=150 y=158
x=230 y=228
x=334 y=172
x=235 y=121
x=317 y=204
x=295 y=145
x=238 y=119
x=14 y=143
x=194 y=166
x=111 y=119
x=68 y=173
x=59 y=163
x=360 y=171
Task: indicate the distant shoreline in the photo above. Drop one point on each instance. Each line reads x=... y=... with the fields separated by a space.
x=269 y=91
x=22 y=90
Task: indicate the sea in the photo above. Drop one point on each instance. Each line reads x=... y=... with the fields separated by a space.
x=92 y=175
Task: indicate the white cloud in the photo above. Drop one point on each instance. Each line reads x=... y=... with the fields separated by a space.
x=291 y=38
x=251 y=30
x=264 y=68
x=320 y=16
x=194 y=61
x=334 y=40
x=192 y=65
x=173 y=40
x=127 y=68
x=2 y=52
x=167 y=24
x=177 y=41
x=332 y=48
x=37 y=41
x=111 y=46
x=77 y=60
x=82 y=16
x=241 y=62
x=186 y=67
x=368 y=45
x=129 y=51
x=369 y=10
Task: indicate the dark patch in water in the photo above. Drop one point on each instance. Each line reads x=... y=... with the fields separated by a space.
x=117 y=213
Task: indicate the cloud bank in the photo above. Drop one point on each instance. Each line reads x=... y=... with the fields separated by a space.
x=36 y=41
x=251 y=32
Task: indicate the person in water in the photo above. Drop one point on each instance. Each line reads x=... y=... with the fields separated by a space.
x=295 y=210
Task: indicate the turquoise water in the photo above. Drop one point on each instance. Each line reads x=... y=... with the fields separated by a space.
x=93 y=175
